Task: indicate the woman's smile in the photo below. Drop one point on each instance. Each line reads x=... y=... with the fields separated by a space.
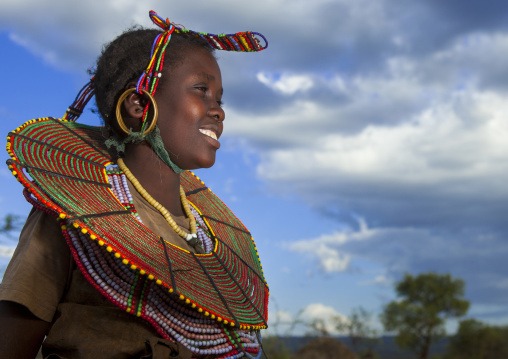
x=190 y=113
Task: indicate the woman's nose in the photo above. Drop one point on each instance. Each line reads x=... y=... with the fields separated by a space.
x=217 y=112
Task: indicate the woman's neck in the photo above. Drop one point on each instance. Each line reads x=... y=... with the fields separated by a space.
x=160 y=181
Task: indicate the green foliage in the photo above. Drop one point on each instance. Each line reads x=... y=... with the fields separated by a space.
x=362 y=337
x=11 y=223
x=426 y=301
x=318 y=328
x=476 y=340
x=276 y=347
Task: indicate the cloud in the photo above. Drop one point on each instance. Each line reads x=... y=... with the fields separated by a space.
x=6 y=251
x=399 y=147
x=280 y=317
x=321 y=316
x=389 y=111
x=7 y=248
x=378 y=280
x=475 y=256
x=325 y=249
x=331 y=251
x=325 y=317
x=286 y=84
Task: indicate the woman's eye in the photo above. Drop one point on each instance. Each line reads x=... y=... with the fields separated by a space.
x=220 y=103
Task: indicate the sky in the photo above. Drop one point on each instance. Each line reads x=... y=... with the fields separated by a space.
x=367 y=141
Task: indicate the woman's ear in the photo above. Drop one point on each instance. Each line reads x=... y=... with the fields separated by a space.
x=133 y=105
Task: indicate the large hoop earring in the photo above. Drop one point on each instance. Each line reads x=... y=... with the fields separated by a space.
x=119 y=118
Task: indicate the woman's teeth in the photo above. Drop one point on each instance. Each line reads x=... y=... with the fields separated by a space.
x=208 y=133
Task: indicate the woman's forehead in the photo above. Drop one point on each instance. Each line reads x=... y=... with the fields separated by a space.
x=198 y=63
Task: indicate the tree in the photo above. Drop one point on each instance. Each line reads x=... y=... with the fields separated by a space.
x=275 y=345
x=318 y=328
x=362 y=336
x=11 y=223
x=476 y=340
x=324 y=348
x=424 y=303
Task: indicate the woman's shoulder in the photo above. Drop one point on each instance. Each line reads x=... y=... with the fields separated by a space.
x=37 y=274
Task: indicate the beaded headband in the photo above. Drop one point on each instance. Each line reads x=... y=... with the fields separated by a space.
x=246 y=41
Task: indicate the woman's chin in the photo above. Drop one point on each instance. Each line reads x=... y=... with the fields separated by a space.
x=201 y=163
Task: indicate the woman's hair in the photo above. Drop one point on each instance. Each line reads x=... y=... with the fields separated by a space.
x=124 y=60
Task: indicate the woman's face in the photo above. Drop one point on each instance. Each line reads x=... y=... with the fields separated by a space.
x=190 y=113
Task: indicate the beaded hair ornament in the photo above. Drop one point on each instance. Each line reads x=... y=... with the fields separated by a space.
x=246 y=41
x=242 y=41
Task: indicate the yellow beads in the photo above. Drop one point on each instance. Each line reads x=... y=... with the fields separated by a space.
x=165 y=213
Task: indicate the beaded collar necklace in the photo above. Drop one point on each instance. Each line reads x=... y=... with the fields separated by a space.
x=63 y=167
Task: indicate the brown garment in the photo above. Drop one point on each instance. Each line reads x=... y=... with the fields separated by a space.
x=43 y=277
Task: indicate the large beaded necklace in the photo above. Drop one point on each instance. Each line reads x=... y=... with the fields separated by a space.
x=212 y=303
x=201 y=335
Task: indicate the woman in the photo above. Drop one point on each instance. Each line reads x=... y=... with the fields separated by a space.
x=147 y=239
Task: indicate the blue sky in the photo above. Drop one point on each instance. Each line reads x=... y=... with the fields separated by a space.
x=368 y=140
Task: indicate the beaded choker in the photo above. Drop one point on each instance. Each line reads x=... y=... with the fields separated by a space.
x=63 y=165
